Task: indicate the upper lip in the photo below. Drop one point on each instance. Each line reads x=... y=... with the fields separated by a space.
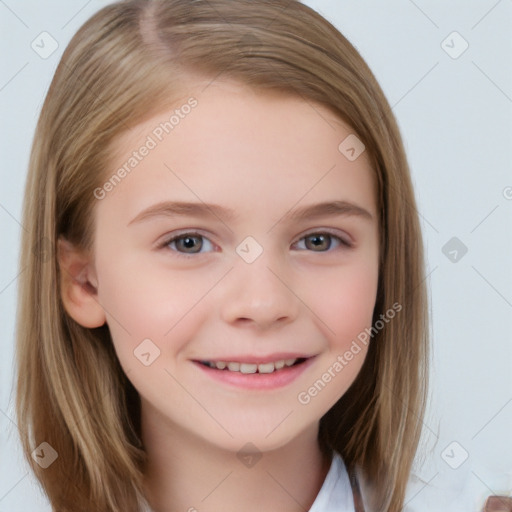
x=270 y=358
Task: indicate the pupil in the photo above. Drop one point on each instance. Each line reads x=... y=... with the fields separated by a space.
x=320 y=241
x=189 y=242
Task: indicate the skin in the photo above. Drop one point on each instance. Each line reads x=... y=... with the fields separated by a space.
x=263 y=156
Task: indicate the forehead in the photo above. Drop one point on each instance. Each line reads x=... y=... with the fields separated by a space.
x=225 y=142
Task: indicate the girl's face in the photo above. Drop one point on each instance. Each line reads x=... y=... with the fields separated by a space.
x=243 y=235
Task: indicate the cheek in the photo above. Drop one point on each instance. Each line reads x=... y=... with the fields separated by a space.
x=143 y=302
x=137 y=304
x=345 y=303
x=345 y=307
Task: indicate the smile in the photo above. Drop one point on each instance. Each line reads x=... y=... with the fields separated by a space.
x=255 y=373
x=248 y=368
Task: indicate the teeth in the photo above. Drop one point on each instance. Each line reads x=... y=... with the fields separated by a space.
x=266 y=368
x=248 y=368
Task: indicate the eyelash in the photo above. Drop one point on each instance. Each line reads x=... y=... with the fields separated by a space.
x=165 y=245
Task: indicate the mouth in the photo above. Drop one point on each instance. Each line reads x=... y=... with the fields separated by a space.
x=254 y=374
x=249 y=368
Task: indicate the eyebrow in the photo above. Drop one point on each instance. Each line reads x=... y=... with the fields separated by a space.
x=203 y=210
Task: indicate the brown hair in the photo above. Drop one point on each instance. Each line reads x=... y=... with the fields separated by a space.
x=123 y=64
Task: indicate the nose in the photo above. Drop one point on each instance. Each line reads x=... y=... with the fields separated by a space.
x=259 y=294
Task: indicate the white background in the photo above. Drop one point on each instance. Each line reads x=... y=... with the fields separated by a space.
x=455 y=115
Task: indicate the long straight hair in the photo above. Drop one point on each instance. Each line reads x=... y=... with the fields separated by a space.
x=122 y=66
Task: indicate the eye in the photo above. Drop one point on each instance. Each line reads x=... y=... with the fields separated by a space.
x=188 y=243
x=323 y=241
x=192 y=243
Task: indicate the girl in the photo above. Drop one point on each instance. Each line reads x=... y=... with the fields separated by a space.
x=229 y=311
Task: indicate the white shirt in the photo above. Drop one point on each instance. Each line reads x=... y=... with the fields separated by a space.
x=335 y=494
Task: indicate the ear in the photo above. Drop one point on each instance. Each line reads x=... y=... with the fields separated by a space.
x=79 y=285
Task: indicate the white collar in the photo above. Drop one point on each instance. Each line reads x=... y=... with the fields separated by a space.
x=335 y=495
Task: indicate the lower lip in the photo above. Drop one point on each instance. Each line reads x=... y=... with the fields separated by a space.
x=276 y=379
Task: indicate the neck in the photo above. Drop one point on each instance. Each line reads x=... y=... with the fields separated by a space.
x=187 y=473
